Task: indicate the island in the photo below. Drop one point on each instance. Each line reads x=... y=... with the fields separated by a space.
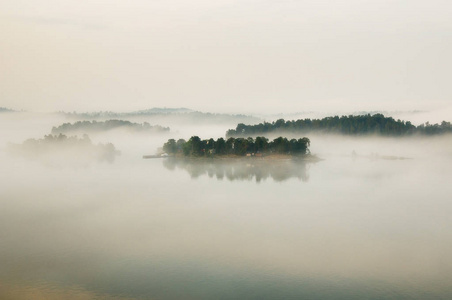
x=260 y=146
x=65 y=150
x=101 y=126
x=358 y=125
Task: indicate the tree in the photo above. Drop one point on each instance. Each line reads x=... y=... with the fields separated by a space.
x=261 y=143
x=220 y=146
x=196 y=146
x=170 y=147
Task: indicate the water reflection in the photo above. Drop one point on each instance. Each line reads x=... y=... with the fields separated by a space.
x=242 y=169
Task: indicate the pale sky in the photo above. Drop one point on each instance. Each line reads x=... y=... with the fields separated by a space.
x=233 y=56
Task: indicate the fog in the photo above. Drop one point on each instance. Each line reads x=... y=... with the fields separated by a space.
x=369 y=219
x=84 y=216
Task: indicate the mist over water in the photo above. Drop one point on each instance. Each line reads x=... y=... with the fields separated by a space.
x=84 y=216
x=369 y=221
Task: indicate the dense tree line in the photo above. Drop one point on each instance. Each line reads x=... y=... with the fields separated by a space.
x=349 y=125
x=432 y=129
x=93 y=126
x=236 y=146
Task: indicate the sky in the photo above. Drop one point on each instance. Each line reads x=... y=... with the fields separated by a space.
x=225 y=55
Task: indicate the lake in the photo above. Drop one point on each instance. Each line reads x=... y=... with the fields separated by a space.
x=369 y=221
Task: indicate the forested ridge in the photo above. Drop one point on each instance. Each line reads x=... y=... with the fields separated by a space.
x=92 y=126
x=180 y=114
x=348 y=125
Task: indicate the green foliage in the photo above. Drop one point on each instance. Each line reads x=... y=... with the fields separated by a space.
x=220 y=146
x=349 y=125
x=236 y=146
x=170 y=147
x=196 y=146
x=433 y=129
x=261 y=143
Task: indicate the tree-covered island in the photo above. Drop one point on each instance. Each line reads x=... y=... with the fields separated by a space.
x=260 y=146
x=100 y=126
x=66 y=149
x=348 y=125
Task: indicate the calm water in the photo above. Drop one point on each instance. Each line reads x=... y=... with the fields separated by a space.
x=344 y=228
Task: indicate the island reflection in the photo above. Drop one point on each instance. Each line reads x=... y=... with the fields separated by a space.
x=241 y=169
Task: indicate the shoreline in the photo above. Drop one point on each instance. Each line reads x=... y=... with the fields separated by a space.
x=269 y=157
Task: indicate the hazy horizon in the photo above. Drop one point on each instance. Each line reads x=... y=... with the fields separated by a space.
x=417 y=117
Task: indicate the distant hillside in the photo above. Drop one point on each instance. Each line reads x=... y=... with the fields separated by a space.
x=111 y=114
x=183 y=115
x=164 y=110
x=348 y=125
x=95 y=126
x=197 y=117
